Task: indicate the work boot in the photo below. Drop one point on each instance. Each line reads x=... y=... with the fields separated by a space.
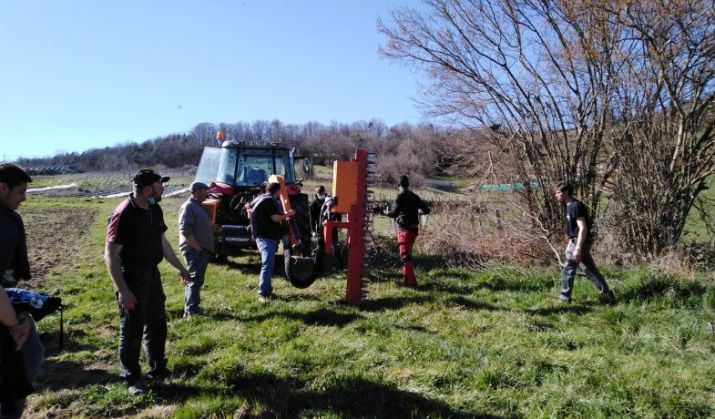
x=159 y=374
x=607 y=297
x=137 y=388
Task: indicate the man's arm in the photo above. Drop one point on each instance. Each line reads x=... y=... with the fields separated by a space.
x=394 y=211
x=422 y=206
x=191 y=240
x=279 y=218
x=127 y=300
x=581 y=239
x=186 y=227
x=17 y=323
x=170 y=257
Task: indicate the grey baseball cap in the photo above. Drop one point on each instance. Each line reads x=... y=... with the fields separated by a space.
x=198 y=185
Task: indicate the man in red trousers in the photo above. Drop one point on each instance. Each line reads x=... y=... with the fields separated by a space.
x=406 y=212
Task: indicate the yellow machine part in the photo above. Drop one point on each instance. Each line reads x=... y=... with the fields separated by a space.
x=345 y=180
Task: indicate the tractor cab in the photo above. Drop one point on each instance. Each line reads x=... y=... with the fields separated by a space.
x=235 y=173
x=239 y=165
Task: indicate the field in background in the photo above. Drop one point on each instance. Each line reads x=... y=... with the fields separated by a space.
x=100 y=184
x=493 y=343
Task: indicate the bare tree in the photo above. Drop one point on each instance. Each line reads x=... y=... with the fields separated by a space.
x=665 y=119
x=547 y=78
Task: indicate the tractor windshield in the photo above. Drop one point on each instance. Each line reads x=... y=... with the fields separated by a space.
x=256 y=165
x=244 y=166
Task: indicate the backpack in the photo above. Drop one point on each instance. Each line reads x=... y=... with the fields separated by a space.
x=37 y=304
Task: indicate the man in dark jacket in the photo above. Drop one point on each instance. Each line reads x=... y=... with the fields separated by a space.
x=578 y=250
x=19 y=369
x=135 y=245
x=267 y=217
x=406 y=212
x=315 y=209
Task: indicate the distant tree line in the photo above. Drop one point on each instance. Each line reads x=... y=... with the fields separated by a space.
x=418 y=150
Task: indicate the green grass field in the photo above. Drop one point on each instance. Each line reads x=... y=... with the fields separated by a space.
x=493 y=343
x=695 y=230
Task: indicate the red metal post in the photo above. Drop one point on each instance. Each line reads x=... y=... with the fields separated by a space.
x=356 y=233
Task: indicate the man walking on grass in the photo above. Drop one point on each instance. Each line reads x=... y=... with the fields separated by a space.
x=578 y=250
x=197 y=244
x=135 y=246
x=406 y=210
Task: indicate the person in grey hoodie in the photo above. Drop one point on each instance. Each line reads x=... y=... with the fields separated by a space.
x=197 y=244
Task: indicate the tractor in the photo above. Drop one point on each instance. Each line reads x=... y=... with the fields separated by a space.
x=234 y=173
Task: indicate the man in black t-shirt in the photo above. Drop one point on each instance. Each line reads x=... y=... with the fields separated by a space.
x=578 y=251
x=406 y=211
x=135 y=245
x=267 y=217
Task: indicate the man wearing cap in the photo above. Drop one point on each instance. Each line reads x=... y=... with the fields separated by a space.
x=406 y=211
x=197 y=243
x=135 y=245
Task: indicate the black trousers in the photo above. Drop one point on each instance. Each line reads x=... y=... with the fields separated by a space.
x=586 y=264
x=145 y=324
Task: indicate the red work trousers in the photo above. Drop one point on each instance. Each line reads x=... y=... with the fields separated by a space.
x=405 y=241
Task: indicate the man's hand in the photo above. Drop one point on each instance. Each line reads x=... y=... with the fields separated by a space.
x=185 y=277
x=127 y=300
x=290 y=213
x=576 y=255
x=21 y=331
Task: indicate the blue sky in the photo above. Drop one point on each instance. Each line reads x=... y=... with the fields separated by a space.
x=82 y=74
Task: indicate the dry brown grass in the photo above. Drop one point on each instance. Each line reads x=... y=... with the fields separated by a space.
x=472 y=234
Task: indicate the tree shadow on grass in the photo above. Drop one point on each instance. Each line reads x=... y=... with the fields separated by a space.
x=245 y=268
x=320 y=317
x=451 y=287
x=659 y=286
x=58 y=375
x=394 y=303
x=344 y=396
x=560 y=309
x=474 y=305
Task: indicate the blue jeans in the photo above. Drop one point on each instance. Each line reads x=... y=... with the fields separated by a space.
x=33 y=353
x=268 y=248
x=197 y=261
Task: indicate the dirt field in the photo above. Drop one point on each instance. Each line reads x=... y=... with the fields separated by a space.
x=53 y=238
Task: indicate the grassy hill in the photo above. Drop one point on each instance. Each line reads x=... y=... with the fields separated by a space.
x=493 y=343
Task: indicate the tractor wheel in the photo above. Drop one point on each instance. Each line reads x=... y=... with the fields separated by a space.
x=300 y=271
x=299 y=203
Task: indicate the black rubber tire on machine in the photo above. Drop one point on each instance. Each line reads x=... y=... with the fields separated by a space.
x=301 y=270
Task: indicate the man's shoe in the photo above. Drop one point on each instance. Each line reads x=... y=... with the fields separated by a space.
x=564 y=300
x=607 y=297
x=159 y=374
x=196 y=312
x=137 y=388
